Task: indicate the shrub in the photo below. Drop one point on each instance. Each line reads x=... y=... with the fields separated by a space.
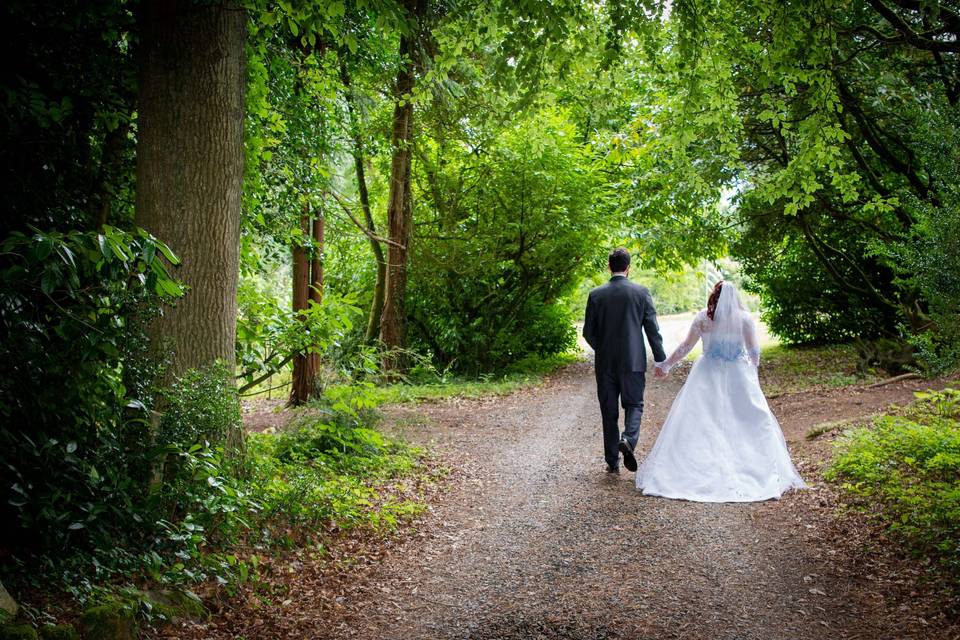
x=201 y=406
x=509 y=238
x=904 y=471
x=71 y=311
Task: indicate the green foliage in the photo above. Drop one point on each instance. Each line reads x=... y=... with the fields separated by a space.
x=904 y=471
x=269 y=335
x=326 y=473
x=200 y=406
x=931 y=256
x=426 y=382
x=68 y=100
x=835 y=147
x=71 y=309
x=800 y=303
x=512 y=225
x=330 y=471
x=17 y=632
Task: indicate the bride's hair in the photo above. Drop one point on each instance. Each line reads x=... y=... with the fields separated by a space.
x=712 y=300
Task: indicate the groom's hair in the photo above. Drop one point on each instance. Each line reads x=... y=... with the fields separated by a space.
x=619 y=260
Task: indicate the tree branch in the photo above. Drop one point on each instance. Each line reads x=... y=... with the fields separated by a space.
x=918 y=40
x=266 y=375
x=360 y=225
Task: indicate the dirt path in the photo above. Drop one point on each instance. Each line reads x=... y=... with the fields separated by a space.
x=535 y=540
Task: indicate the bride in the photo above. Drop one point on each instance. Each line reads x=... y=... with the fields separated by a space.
x=720 y=442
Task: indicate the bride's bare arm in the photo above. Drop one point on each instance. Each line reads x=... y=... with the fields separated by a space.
x=751 y=341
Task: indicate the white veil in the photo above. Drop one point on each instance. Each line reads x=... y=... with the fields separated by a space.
x=728 y=341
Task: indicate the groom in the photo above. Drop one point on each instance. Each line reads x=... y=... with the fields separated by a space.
x=616 y=312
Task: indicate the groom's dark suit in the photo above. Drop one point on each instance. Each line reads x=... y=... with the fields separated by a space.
x=618 y=314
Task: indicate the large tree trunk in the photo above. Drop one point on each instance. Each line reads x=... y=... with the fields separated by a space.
x=190 y=167
x=304 y=366
x=399 y=211
x=376 y=306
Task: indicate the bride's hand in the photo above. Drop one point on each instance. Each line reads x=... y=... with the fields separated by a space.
x=658 y=372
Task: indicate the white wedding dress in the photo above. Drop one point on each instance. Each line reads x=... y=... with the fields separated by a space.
x=720 y=442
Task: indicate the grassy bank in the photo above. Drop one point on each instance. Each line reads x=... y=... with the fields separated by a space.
x=789 y=369
x=903 y=471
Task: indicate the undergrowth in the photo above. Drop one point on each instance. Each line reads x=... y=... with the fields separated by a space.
x=903 y=471
x=426 y=383
x=788 y=369
x=214 y=518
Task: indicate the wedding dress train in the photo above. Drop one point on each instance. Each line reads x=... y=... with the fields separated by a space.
x=720 y=442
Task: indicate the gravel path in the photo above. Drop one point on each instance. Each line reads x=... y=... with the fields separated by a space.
x=535 y=540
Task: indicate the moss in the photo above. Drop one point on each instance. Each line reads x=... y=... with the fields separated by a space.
x=58 y=632
x=17 y=632
x=173 y=604
x=110 y=621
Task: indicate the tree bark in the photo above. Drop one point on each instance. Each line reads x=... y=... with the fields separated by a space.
x=316 y=287
x=316 y=262
x=190 y=159
x=304 y=366
x=399 y=211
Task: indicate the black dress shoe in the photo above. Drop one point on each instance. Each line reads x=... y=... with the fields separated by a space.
x=612 y=469
x=629 y=460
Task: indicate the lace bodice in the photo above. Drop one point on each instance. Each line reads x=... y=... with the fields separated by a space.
x=746 y=347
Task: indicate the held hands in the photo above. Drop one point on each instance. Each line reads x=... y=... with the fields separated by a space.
x=659 y=371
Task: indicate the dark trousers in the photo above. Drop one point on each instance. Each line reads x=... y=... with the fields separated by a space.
x=624 y=388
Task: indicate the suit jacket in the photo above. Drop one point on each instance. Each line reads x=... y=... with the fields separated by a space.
x=616 y=312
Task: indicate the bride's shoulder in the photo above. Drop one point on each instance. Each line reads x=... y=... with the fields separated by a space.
x=701 y=319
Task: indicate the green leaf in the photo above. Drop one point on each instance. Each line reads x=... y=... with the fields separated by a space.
x=149 y=252
x=167 y=253
x=50 y=279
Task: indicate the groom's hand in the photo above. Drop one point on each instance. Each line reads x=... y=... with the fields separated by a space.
x=658 y=372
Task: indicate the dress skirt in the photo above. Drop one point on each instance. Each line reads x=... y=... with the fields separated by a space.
x=720 y=442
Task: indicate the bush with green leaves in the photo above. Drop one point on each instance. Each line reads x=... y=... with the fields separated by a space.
x=270 y=334
x=72 y=308
x=904 y=472
x=513 y=226
x=200 y=406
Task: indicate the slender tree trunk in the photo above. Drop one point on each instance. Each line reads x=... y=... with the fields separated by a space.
x=399 y=211
x=304 y=366
x=376 y=306
x=316 y=281
x=316 y=262
x=379 y=287
x=190 y=167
